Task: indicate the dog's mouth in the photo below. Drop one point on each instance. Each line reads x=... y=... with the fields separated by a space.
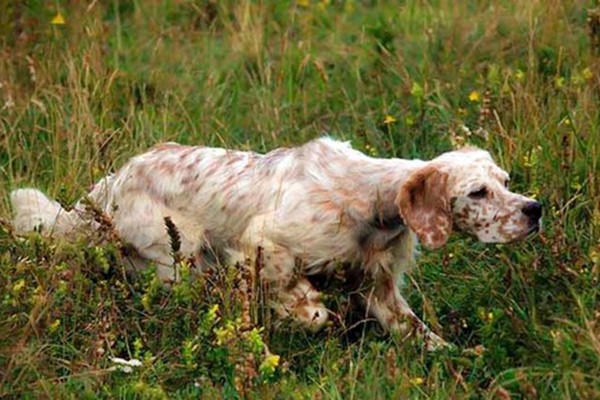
x=533 y=230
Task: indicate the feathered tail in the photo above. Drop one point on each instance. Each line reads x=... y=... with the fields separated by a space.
x=34 y=211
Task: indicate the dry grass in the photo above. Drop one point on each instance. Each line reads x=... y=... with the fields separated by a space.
x=520 y=78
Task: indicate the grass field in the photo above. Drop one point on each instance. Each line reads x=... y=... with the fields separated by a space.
x=409 y=79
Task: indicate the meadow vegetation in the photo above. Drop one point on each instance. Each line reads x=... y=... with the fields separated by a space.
x=410 y=79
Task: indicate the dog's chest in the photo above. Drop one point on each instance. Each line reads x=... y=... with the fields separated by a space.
x=380 y=233
x=364 y=239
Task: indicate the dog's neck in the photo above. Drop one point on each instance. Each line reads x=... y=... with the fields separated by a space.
x=381 y=225
x=382 y=185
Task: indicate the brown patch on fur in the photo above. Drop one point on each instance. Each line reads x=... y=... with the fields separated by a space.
x=167 y=167
x=211 y=170
x=424 y=205
x=232 y=158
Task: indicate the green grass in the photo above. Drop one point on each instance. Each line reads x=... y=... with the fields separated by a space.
x=77 y=100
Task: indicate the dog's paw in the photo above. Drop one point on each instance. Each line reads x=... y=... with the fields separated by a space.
x=435 y=343
x=313 y=316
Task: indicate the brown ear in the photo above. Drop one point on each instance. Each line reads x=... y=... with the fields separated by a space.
x=424 y=206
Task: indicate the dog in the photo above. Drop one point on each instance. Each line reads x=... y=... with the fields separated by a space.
x=323 y=203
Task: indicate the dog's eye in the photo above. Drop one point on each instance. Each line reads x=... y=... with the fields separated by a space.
x=478 y=194
x=506 y=183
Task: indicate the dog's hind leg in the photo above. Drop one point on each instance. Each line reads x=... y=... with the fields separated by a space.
x=140 y=221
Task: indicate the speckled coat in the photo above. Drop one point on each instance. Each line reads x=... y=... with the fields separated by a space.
x=323 y=204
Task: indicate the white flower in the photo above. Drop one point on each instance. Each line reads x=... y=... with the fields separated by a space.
x=125 y=365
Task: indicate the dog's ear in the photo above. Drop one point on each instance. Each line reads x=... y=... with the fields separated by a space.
x=425 y=207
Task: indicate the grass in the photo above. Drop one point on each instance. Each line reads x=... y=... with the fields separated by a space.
x=407 y=79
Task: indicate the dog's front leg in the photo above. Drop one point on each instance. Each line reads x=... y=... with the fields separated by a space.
x=385 y=303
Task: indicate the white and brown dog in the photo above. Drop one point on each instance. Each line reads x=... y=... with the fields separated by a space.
x=323 y=203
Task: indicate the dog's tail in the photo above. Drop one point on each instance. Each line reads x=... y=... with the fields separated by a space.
x=35 y=211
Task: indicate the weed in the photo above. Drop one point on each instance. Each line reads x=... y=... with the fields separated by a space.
x=85 y=86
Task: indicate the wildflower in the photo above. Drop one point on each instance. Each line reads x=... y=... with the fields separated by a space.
x=559 y=82
x=519 y=75
x=137 y=347
x=147 y=301
x=587 y=73
x=58 y=19
x=19 y=285
x=269 y=364
x=389 y=119
x=255 y=340
x=474 y=96
x=565 y=121
x=225 y=334
x=212 y=313
x=303 y=3
x=371 y=150
x=188 y=353
x=209 y=319
x=125 y=365
x=54 y=326
x=417 y=90
x=417 y=381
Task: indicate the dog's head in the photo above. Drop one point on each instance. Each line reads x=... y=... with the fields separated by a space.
x=466 y=189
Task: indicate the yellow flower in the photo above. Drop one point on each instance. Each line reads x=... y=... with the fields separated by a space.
x=19 y=285
x=225 y=334
x=303 y=3
x=587 y=73
x=147 y=301
x=389 y=120
x=54 y=326
x=559 y=82
x=417 y=381
x=519 y=75
x=58 y=19
x=269 y=364
x=255 y=340
x=417 y=91
x=474 y=96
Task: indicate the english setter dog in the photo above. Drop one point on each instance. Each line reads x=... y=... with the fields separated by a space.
x=323 y=203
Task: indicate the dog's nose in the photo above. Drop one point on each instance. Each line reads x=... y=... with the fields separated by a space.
x=533 y=210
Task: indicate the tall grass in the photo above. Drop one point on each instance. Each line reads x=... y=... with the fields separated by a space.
x=399 y=79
